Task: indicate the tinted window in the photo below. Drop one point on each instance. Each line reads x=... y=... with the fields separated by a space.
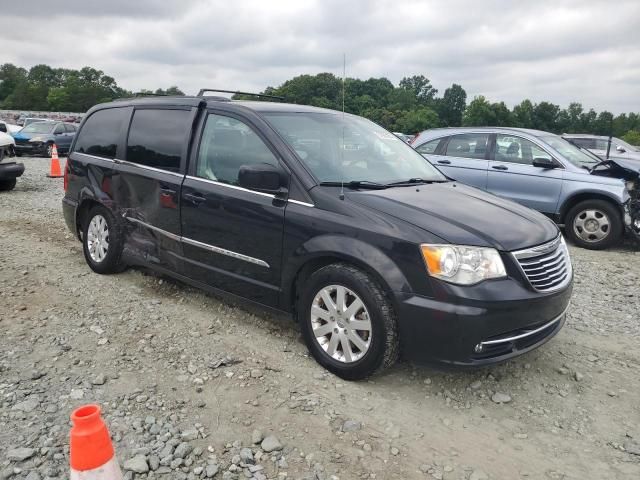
x=517 y=150
x=584 y=142
x=59 y=129
x=100 y=134
x=226 y=145
x=472 y=145
x=429 y=147
x=157 y=137
x=70 y=128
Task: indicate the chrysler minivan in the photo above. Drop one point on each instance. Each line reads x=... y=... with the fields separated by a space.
x=326 y=216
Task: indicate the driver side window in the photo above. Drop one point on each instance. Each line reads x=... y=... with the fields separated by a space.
x=226 y=145
x=517 y=150
x=59 y=129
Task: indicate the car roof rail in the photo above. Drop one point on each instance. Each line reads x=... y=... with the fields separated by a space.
x=235 y=92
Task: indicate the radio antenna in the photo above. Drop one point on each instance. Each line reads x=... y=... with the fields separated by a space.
x=344 y=73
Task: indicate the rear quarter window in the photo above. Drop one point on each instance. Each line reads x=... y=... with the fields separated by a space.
x=157 y=138
x=100 y=134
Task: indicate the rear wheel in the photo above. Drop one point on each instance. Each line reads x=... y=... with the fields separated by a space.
x=102 y=241
x=348 y=322
x=6 y=185
x=594 y=224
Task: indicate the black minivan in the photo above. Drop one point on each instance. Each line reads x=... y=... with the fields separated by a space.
x=323 y=215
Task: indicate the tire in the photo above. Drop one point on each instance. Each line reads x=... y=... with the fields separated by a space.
x=594 y=224
x=379 y=346
x=103 y=260
x=7 y=185
x=48 y=150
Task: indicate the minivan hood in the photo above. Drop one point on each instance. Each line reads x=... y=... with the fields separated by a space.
x=462 y=215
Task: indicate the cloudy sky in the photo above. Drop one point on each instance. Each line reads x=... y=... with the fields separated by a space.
x=557 y=50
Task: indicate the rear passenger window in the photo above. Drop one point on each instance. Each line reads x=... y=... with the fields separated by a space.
x=157 y=137
x=70 y=128
x=100 y=134
x=429 y=147
x=472 y=145
x=226 y=145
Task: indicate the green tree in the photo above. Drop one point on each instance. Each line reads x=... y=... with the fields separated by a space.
x=479 y=113
x=523 y=114
x=420 y=87
x=503 y=117
x=632 y=137
x=545 y=116
x=451 y=107
x=415 y=121
x=10 y=77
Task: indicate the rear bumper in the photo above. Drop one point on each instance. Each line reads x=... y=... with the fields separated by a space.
x=462 y=332
x=69 y=212
x=11 y=170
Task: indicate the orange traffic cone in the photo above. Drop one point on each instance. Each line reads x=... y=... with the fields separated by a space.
x=92 y=455
x=54 y=171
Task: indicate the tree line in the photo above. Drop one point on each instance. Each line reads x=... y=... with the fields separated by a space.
x=410 y=107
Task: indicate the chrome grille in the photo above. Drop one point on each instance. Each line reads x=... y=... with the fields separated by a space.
x=547 y=266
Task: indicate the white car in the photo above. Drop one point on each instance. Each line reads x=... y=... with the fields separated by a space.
x=9 y=127
x=9 y=171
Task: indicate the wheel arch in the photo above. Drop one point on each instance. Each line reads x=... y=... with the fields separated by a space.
x=330 y=249
x=576 y=198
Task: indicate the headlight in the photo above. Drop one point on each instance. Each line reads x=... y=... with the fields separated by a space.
x=37 y=139
x=461 y=264
x=630 y=184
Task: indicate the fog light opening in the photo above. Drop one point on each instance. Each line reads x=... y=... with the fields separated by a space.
x=478 y=348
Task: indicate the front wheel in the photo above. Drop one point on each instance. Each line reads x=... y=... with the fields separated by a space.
x=348 y=322
x=102 y=241
x=594 y=224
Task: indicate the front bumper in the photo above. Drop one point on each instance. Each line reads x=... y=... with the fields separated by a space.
x=459 y=331
x=11 y=170
x=30 y=148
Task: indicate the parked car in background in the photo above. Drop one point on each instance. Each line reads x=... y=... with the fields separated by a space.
x=404 y=137
x=594 y=200
x=9 y=170
x=369 y=246
x=24 y=121
x=598 y=145
x=9 y=128
x=38 y=138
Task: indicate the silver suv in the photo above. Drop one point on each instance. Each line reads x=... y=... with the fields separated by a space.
x=598 y=145
x=593 y=199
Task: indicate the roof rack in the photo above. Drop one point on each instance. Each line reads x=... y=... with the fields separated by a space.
x=215 y=90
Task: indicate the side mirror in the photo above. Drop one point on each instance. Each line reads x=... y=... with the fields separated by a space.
x=542 y=162
x=262 y=177
x=620 y=149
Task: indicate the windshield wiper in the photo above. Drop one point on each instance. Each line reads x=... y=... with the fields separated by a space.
x=357 y=184
x=415 y=181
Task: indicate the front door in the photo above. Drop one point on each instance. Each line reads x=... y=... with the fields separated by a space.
x=512 y=175
x=232 y=236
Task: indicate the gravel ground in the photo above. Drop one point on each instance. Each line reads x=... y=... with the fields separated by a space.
x=194 y=387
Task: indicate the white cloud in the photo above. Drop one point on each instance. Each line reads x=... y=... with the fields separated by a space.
x=555 y=50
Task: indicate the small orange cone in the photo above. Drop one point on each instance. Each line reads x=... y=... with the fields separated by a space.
x=54 y=171
x=91 y=453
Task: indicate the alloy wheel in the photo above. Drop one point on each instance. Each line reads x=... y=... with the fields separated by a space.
x=341 y=323
x=592 y=225
x=98 y=238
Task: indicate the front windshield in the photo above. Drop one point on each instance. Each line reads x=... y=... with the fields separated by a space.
x=350 y=150
x=628 y=147
x=568 y=150
x=38 y=127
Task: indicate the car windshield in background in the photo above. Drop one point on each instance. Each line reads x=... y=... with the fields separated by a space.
x=578 y=157
x=39 y=127
x=351 y=149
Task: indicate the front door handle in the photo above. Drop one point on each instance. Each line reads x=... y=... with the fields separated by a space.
x=500 y=167
x=445 y=162
x=195 y=198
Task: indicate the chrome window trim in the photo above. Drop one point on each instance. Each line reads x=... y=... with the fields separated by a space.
x=526 y=334
x=93 y=156
x=146 y=167
x=206 y=246
x=298 y=202
x=235 y=187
